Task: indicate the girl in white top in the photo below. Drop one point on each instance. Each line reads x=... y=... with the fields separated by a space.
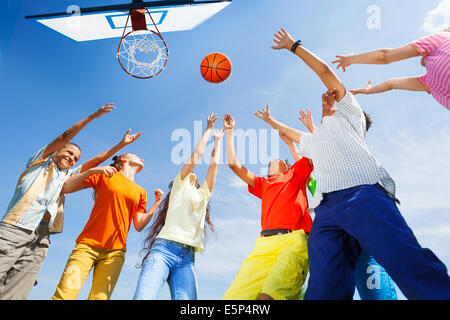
x=178 y=228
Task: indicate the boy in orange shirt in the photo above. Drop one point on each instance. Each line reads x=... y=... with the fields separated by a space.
x=102 y=243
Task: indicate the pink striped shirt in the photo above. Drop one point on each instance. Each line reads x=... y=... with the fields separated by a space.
x=435 y=49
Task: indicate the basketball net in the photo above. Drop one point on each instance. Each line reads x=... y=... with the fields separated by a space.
x=142 y=53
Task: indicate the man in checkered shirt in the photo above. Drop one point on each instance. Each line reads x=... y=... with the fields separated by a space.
x=358 y=209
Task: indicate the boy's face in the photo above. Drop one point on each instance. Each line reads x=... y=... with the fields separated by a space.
x=276 y=167
x=67 y=156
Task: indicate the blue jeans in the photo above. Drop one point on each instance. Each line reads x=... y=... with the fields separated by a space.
x=365 y=217
x=172 y=262
x=372 y=280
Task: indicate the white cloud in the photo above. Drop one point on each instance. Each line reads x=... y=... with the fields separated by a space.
x=438 y=18
x=236 y=182
x=442 y=230
x=418 y=162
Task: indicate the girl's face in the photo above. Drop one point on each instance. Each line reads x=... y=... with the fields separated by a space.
x=193 y=179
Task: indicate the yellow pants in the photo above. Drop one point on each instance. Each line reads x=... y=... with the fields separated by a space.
x=277 y=266
x=107 y=265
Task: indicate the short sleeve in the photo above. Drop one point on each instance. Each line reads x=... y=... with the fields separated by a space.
x=427 y=45
x=74 y=171
x=201 y=197
x=302 y=168
x=423 y=79
x=349 y=106
x=142 y=202
x=36 y=157
x=257 y=188
x=93 y=180
x=177 y=182
x=304 y=147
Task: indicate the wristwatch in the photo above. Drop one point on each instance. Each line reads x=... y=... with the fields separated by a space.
x=295 y=45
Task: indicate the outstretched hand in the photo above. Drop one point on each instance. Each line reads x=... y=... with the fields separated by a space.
x=343 y=61
x=108 y=171
x=210 y=120
x=264 y=114
x=159 y=194
x=307 y=119
x=103 y=110
x=364 y=90
x=129 y=138
x=228 y=122
x=283 y=40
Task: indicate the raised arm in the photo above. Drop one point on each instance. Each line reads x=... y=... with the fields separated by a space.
x=411 y=84
x=284 y=41
x=199 y=148
x=95 y=161
x=264 y=114
x=380 y=56
x=215 y=159
x=292 y=147
x=242 y=172
x=141 y=219
x=76 y=182
x=70 y=133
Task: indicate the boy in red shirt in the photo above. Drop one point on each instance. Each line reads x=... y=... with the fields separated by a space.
x=278 y=264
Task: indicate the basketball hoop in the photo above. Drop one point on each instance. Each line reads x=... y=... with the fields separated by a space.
x=142 y=53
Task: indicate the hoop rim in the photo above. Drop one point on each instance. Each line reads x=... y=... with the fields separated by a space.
x=136 y=31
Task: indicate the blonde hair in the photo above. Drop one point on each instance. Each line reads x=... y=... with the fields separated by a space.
x=447 y=29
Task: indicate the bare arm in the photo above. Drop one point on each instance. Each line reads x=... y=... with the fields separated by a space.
x=264 y=114
x=292 y=147
x=141 y=219
x=76 y=182
x=215 y=158
x=126 y=140
x=70 y=133
x=411 y=84
x=380 y=56
x=284 y=41
x=200 y=147
x=242 y=172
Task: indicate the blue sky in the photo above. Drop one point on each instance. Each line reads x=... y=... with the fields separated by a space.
x=48 y=82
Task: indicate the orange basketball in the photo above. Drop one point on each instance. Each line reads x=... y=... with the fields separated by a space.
x=215 y=67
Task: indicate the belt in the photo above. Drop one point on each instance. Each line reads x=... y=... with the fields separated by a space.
x=274 y=232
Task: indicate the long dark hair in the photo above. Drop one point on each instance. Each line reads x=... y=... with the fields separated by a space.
x=159 y=221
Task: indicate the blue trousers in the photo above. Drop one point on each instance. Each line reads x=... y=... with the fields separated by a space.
x=365 y=217
x=172 y=262
x=372 y=280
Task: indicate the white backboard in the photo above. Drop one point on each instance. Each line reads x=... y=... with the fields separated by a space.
x=104 y=25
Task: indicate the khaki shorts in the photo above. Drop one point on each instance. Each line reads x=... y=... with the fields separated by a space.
x=277 y=266
x=22 y=253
